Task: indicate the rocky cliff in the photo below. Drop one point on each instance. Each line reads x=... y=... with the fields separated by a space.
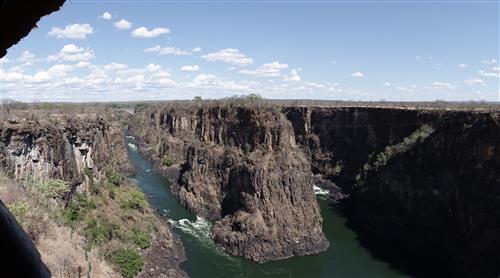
x=425 y=179
x=66 y=148
x=241 y=168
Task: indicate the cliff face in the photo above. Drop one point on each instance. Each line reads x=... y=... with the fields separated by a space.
x=425 y=179
x=242 y=169
x=70 y=149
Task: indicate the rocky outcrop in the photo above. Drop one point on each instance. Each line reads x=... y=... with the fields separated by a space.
x=424 y=179
x=242 y=169
x=427 y=180
x=71 y=149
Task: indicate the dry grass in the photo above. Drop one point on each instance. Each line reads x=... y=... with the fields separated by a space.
x=61 y=248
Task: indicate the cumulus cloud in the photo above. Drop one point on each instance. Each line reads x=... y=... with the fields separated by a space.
x=230 y=56
x=474 y=81
x=462 y=65
x=72 y=53
x=26 y=57
x=386 y=84
x=73 y=31
x=491 y=61
x=293 y=76
x=190 y=68
x=106 y=16
x=196 y=49
x=267 y=70
x=115 y=66
x=167 y=50
x=491 y=74
x=122 y=24
x=143 y=32
x=358 y=74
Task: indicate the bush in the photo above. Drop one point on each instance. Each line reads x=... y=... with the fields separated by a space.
x=129 y=262
x=77 y=208
x=142 y=239
x=55 y=189
x=167 y=161
x=98 y=233
x=113 y=178
x=111 y=193
x=19 y=209
x=137 y=200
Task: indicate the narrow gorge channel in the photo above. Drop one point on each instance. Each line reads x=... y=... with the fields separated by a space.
x=346 y=257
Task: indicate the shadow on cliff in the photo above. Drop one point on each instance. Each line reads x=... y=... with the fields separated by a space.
x=397 y=256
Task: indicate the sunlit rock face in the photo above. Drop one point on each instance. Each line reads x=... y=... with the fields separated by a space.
x=425 y=179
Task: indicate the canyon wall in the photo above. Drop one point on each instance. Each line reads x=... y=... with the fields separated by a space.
x=242 y=169
x=77 y=150
x=427 y=180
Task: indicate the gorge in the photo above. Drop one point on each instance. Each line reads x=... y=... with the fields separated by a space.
x=424 y=181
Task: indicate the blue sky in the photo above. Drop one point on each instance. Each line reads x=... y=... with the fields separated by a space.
x=368 y=50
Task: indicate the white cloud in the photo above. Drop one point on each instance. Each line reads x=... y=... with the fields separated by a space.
x=230 y=56
x=358 y=74
x=490 y=74
x=293 y=76
x=143 y=32
x=122 y=24
x=386 y=84
x=41 y=77
x=462 y=65
x=106 y=16
x=4 y=60
x=167 y=50
x=442 y=86
x=492 y=61
x=190 y=68
x=71 y=49
x=59 y=70
x=26 y=57
x=196 y=49
x=74 y=31
x=474 y=81
x=115 y=66
x=267 y=70
x=205 y=79
x=407 y=89
x=72 y=53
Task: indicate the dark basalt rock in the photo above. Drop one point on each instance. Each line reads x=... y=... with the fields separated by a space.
x=427 y=180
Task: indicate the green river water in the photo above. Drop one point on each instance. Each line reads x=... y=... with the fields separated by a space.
x=346 y=257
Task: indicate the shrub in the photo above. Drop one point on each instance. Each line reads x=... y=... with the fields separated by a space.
x=129 y=262
x=77 y=208
x=137 y=200
x=113 y=178
x=55 y=189
x=111 y=193
x=197 y=98
x=19 y=209
x=142 y=239
x=98 y=233
x=167 y=161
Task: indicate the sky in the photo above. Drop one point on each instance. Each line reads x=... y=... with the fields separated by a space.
x=405 y=50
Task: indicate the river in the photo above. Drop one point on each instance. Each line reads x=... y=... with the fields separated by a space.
x=346 y=257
